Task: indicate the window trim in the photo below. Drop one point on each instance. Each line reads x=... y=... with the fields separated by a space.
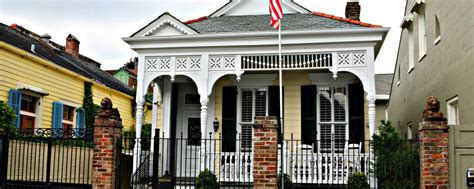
x=422 y=36
x=73 y=105
x=437 y=30
x=38 y=112
x=453 y=113
x=332 y=122
x=254 y=96
x=411 y=49
x=240 y=123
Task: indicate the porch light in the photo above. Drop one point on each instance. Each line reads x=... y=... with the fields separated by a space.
x=216 y=124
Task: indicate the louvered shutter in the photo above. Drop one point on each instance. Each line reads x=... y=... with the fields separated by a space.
x=274 y=106
x=80 y=120
x=356 y=114
x=229 y=118
x=308 y=114
x=14 y=101
x=57 y=118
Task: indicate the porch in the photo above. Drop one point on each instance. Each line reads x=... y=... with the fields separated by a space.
x=305 y=165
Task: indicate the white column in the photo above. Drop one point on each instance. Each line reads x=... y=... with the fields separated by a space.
x=372 y=122
x=166 y=124
x=139 y=113
x=138 y=133
x=204 y=102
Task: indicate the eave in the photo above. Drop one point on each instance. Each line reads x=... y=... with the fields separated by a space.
x=373 y=35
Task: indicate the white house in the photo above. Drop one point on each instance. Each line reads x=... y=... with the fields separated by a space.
x=224 y=68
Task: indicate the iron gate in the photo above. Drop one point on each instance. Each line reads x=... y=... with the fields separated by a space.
x=47 y=158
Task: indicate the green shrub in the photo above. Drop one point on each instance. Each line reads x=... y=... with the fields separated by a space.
x=396 y=160
x=145 y=138
x=357 y=181
x=206 y=180
x=286 y=178
x=7 y=116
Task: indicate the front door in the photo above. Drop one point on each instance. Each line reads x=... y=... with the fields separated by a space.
x=188 y=131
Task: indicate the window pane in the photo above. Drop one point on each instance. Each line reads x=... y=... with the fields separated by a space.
x=194 y=131
x=340 y=104
x=68 y=113
x=325 y=134
x=27 y=122
x=325 y=104
x=246 y=143
x=339 y=137
x=247 y=106
x=260 y=103
x=28 y=103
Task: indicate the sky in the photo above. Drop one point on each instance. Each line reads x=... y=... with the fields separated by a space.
x=101 y=24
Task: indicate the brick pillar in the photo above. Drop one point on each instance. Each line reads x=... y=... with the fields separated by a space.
x=107 y=137
x=434 y=155
x=265 y=152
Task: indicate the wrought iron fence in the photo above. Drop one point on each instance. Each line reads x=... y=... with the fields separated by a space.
x=323 y=164
x=46 y=158
x=182 y=160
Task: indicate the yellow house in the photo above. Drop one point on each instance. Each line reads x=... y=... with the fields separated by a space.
x=45 y=82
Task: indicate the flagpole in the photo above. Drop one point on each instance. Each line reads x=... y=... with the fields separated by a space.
x=280 y=79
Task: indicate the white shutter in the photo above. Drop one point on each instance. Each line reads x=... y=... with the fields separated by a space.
x=260 y=103
x=247 y=106
x=325 y=104
x=340 y=104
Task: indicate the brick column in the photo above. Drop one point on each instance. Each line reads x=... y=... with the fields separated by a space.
x=265 y=168
x=434 y=155
x=107 y=137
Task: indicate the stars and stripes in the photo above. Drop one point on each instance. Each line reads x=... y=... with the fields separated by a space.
x=276 y=13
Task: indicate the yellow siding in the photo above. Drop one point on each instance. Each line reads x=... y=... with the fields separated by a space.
x=119 y=100
x=61 y=86
x=222 y=82
x=292 y=82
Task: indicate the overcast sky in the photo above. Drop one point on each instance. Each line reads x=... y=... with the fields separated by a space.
x=100 y=24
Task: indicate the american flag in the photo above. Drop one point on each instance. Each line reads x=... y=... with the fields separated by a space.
x=276 y=13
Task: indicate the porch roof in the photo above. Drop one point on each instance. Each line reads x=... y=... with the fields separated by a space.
x=291 y=22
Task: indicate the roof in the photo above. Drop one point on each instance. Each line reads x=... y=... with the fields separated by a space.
x=252 y=23
x=383 y=83
x=55 y=54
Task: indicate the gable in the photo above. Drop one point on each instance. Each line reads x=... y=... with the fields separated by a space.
x=164 y=25
x=255 y=7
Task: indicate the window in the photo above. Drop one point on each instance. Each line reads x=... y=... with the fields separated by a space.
x=453 y=111
x=421 y=34
x=437 y=30
x=28 y=111
x=411 y=49
x=254 y=103
x=332 y=118
x=68 y=119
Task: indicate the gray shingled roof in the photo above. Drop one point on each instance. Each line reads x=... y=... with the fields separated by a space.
x=383 y=82
x=250 y=23
x=82 y=66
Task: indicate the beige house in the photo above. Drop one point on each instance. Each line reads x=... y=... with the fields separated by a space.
x=435 y=58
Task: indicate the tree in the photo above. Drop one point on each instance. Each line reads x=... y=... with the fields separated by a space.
x=7 y=116
x=396 y=160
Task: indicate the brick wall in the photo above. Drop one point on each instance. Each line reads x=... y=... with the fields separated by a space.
x=107 y=136
x=265 y=152
x=434 y=155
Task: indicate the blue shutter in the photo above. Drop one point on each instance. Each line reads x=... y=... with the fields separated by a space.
x=80 y=119
x=14 y=101
x=57 y=118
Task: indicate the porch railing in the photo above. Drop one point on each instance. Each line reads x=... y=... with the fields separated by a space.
x=299 y=61
x=305 y=164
